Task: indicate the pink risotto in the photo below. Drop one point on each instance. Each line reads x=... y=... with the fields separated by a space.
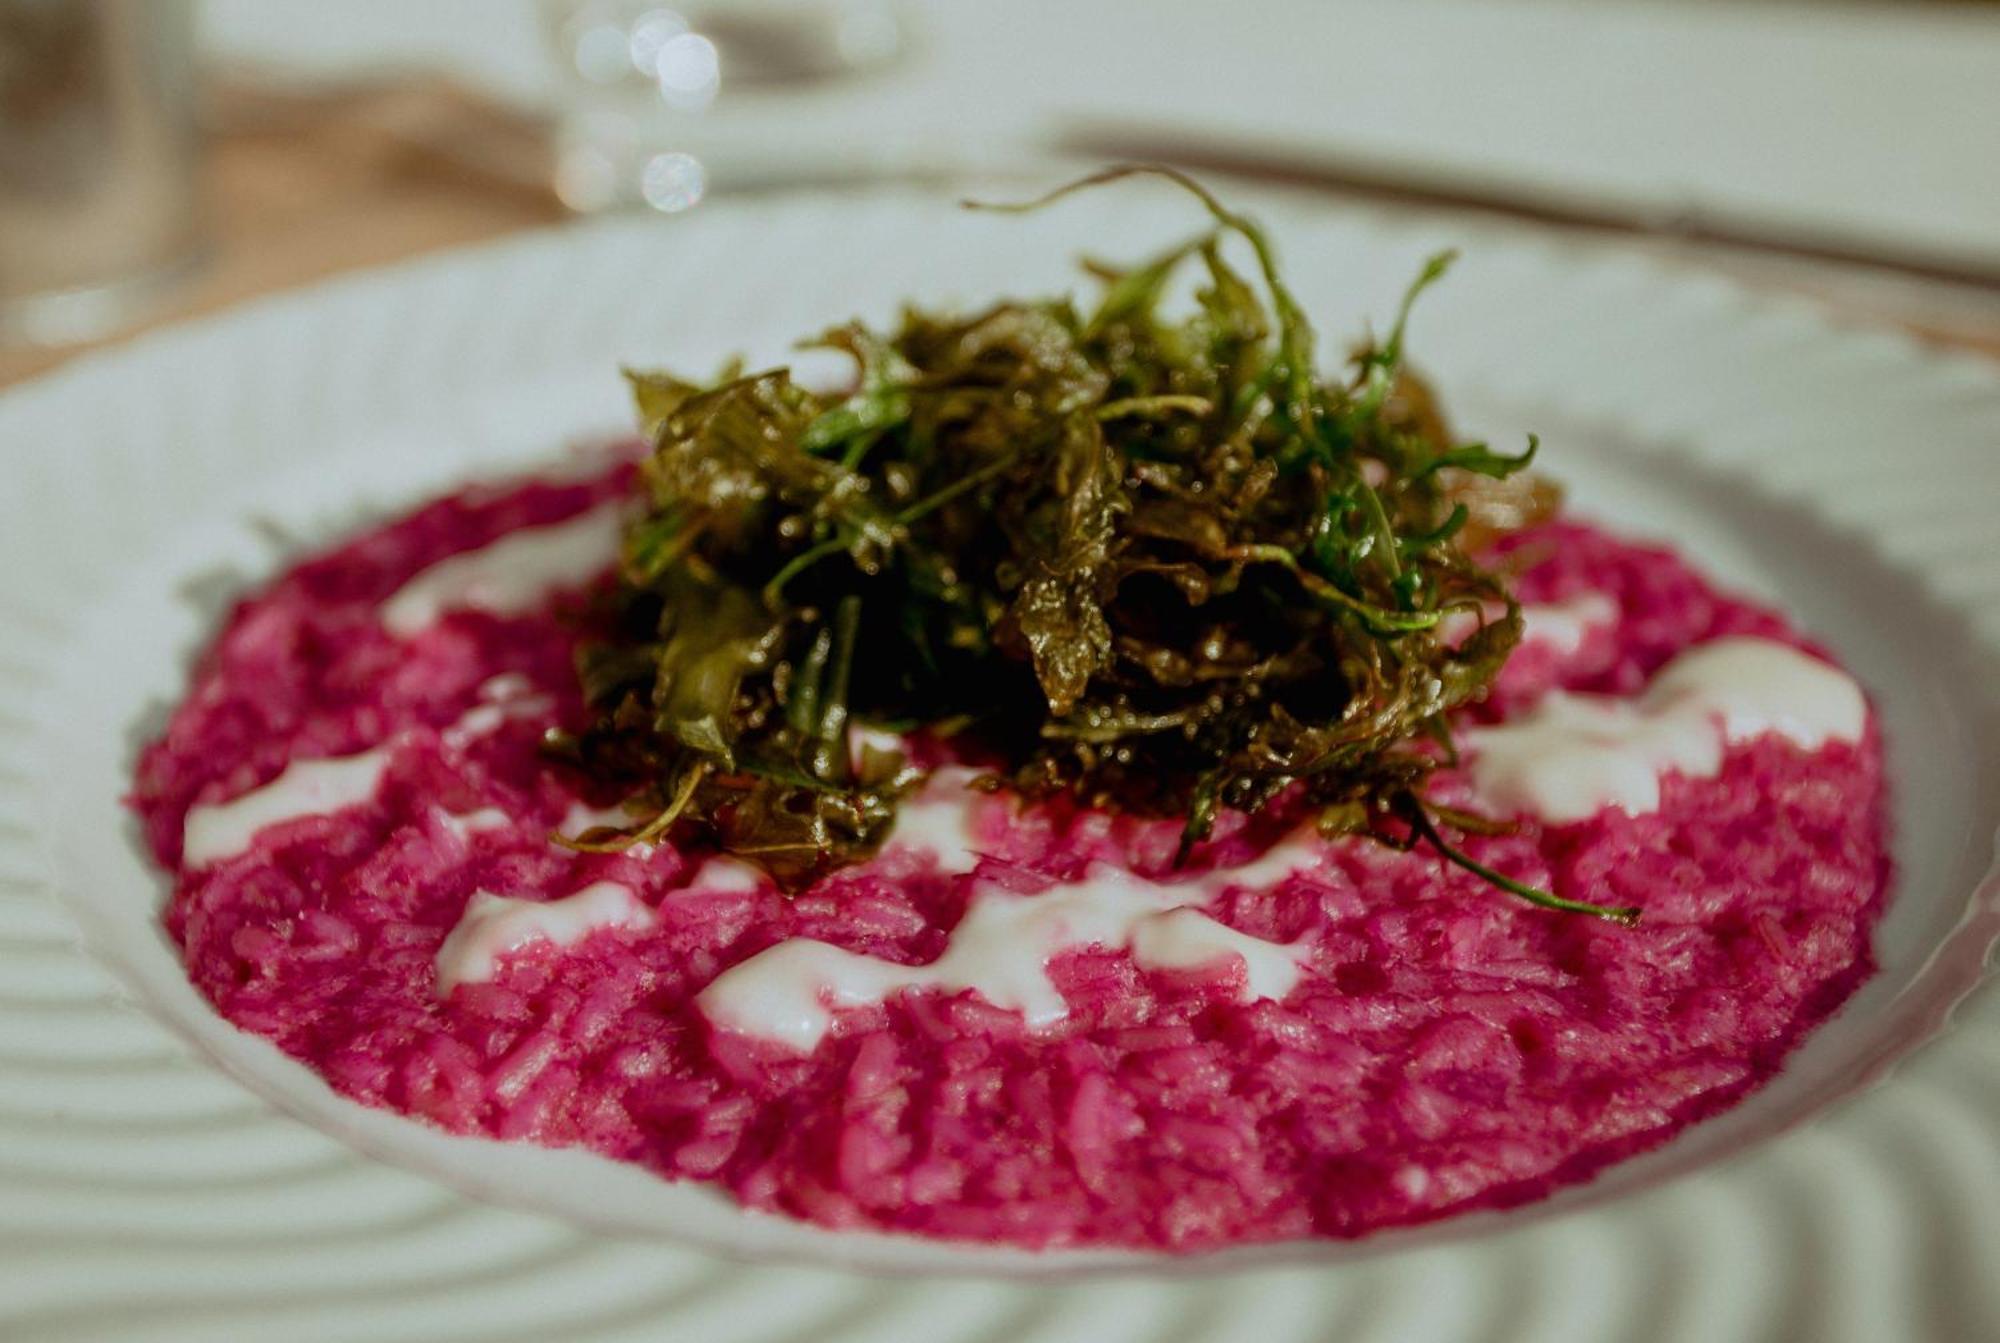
x=1390 y=1040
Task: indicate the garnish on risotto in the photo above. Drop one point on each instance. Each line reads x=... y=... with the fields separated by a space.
x=957 y=807
x=1159 y=565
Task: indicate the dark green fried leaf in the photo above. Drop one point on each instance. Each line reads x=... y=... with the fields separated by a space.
x=1157 y=563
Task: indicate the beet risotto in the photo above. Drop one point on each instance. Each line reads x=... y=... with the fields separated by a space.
x=1094 y=779
x=1285 y=1037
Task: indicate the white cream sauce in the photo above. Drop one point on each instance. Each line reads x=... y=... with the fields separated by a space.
x=1000 y=950
x=477 y=821
x=723 y=873
x=1563 y=626
x=874 y=738
x=1559 y=626
x=494 y=926
x=513 y=575
x=508 y=695
x=506 y=687
x=1184 y=938
x=218 y=830
x=1575 y=755
x=215 y=831
x=940 y=819
x=1297 y=852
x=582 y=817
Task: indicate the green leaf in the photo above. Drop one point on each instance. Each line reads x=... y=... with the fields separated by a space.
x=656 y=396
x=1135 y=293
x=1149 y=558
x=1482 y=460
x=881 y=399
x=1059 y=612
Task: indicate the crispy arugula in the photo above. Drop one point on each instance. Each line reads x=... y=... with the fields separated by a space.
x=1160 y=564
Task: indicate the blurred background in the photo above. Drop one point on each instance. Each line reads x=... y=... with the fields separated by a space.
x=162 y=158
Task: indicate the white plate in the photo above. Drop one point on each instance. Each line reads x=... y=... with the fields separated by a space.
x=147 y=1192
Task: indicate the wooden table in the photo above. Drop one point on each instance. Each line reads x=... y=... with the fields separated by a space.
x=302 y=187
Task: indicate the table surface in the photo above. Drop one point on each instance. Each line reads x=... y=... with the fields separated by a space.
x=300 y=186
x=1872 y=126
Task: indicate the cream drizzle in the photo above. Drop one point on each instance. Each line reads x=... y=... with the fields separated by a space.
x=582 y=817
x=940 y=819
x=476 y=822
x=510 y=576
x=216 y=831
x=508 y=695
x=1000 y=950
x=1574 y=755
x=1561 y=627
x=860 y=735
x=1185 y=938
x=726 y=874
x=495 y=926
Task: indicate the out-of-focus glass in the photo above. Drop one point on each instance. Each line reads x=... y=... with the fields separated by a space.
x=98 y=156
x=647 y=86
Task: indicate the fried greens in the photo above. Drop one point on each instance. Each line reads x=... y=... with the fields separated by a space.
x=1158 y=563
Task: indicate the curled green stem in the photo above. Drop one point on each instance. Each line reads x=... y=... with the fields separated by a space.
x=1420 y=821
